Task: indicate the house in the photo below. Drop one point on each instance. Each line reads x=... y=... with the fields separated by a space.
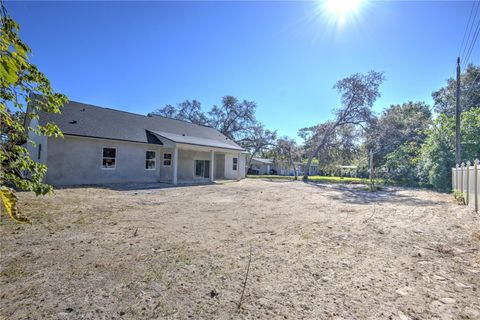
x=286 y=169
x=283 y=168
x=348 y=171
x=103 y=145
x=301 y=168
x=260 y=166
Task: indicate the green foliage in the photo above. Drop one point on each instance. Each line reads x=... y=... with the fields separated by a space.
x=402 y=163
x=287 y=152
x=445 y=97
x=396 y=136
x=438 y=151
x=358 y=93
x=396 y=126
x=321 y=179
x=459 y=197
x=21 y=83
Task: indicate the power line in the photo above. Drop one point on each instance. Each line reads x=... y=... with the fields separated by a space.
x=469 y=29
x=460 y=51
x=472 y=45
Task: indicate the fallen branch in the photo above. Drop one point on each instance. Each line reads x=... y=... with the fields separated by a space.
x=160 y=251
x=260 y=232
x=366 y=220
x=246 y=278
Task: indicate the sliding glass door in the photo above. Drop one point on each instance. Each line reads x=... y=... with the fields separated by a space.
x=202 y=168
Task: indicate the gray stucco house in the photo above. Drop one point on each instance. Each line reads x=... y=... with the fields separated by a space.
x=261 y=166
x=265 y=166
x=102 y=145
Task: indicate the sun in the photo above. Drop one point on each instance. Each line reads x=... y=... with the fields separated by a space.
x=341 y=10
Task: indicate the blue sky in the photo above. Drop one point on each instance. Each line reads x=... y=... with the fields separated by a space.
x=286 y=56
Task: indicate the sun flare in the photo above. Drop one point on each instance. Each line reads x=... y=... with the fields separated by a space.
x=341 y=10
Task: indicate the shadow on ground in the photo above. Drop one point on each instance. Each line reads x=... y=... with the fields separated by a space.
x=141 y=186
x=358 y=194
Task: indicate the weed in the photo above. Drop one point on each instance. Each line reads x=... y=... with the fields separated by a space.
x=459 y=197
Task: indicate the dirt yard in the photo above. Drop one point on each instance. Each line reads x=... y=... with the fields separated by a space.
x=317 y=252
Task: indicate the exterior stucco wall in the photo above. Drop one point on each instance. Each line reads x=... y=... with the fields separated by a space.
x=166 y=172
x=77 y=160
x=262 y=168
x=243 y=165
x=219 y=166
x=284 y=169
x=40 y=143
x=229 y=172
x=186 y=164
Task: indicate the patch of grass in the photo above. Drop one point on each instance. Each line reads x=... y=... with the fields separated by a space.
x=459 y=197
x=322 y=179
x=270 y=176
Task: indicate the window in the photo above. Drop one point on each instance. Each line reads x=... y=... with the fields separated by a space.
x=109 y=158
x=167 y=159
x=235 y=164
x=39 y=151
x=150 y=160
x=202 y=168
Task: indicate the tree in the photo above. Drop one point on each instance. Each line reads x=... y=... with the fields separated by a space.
x=402 y=163
x=287 y=150
x=445 y=97
x=20 y=84
x=438 y=151
x=190 y=111
x=341 y=147
x=168 y=111
x=396 y=137
x=233 y=118
x=258 y=139
x=358 y=93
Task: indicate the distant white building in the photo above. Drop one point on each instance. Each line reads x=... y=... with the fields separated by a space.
x=260 y=166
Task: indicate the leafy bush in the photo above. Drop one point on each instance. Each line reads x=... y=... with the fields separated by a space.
x=437 y=155
x=459 y=196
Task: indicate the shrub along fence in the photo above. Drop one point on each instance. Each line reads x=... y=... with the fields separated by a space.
x=466 y=180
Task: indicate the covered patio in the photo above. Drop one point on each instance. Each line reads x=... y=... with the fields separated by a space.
x=185 y=160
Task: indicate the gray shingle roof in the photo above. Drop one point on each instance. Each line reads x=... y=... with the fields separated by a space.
x=80 y=119
x=263 y=160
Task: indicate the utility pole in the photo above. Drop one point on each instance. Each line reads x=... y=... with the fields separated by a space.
x=458 y=153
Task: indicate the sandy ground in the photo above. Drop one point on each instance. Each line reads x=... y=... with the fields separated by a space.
x=317 y=252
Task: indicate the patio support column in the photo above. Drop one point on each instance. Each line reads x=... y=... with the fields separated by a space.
x=239 y=163
x=212 y=166
x=175 y=164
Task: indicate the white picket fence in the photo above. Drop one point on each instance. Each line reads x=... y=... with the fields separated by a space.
x=466 y=179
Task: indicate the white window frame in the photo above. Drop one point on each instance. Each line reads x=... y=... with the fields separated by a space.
x=116 y=156
x=163 y=159
x=234 y=165
x=154 y=160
